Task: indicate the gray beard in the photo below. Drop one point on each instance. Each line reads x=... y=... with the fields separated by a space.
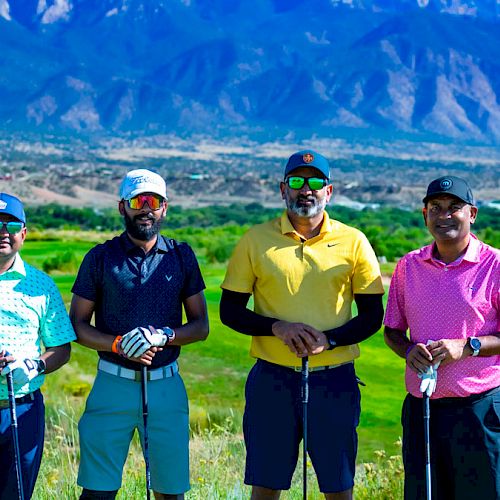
x=306 y=211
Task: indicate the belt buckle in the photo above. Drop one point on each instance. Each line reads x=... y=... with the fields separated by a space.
x=138 y=376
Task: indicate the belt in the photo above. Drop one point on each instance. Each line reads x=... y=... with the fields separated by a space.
x=4 y=403
x=318 y=368
x=135 y=375
x=311 y=369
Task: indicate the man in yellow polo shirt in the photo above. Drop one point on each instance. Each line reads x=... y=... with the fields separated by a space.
x=303 y=270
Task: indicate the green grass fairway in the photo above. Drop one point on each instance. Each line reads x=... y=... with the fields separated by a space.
x=215 y=370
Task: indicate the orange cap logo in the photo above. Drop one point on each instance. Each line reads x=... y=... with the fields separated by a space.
x=308 y=158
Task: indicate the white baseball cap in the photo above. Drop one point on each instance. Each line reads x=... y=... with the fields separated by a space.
x=142 y=181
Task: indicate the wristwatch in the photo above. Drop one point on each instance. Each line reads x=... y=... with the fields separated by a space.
x=331 y=344
x=169 y=332
x=40 y=365
x=475 y=344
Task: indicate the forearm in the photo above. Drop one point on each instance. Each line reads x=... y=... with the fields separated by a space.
x=362 y=326
x=55 y=357
x=235 y=314
x=490 y=345
x=249 y=323
x=192 y=331
x=397 y=341
x=89 y=336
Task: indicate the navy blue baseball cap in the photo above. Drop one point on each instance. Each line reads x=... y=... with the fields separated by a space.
x=13 y=206
x=449 y=184
x=308 y=158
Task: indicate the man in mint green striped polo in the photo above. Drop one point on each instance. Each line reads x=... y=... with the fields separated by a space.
x=35 y=336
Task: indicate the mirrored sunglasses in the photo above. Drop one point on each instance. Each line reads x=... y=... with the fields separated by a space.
x=314 y=183
x=154 y=201
x=12 y=227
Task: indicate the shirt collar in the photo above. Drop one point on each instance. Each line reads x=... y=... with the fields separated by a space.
x=128 y=245
x=470 y=255
x=287 y=227
x=17 y=268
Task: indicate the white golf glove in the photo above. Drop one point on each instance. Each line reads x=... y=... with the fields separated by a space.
x=23 y=370
x=429 y=378
x=136 y=342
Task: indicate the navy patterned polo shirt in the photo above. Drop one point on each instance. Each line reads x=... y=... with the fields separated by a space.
x=131 y=289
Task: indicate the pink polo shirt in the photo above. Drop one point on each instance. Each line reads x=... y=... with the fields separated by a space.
x=449 y=301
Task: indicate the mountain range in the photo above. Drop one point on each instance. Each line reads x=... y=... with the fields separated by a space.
x=417 y=69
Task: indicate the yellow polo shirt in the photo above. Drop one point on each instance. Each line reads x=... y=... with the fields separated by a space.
x=312 y=281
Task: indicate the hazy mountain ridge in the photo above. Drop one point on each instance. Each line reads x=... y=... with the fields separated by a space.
x=420 y=68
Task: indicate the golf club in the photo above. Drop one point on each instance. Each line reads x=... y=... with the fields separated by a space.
x=15 y=435
x=144 y=391
x=427 y=447
x=305 y=399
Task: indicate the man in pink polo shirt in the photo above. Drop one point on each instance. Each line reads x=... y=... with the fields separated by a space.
x=447 y=295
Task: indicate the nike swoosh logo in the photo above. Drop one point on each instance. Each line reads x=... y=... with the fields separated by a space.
x=332 y=244
x=168 y=277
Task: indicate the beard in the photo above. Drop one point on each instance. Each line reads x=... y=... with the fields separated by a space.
x=140 y=232
x=298 y=208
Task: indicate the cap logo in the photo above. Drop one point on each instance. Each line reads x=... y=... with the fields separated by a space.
x=143 y=179
x=446 y=184
x=307 y=158
x=3 y=204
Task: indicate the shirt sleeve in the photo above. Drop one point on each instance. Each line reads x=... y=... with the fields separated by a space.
x=55 y=327
x=366 y=277
x=86 y=280
x=395 y=316
x=193 y=280
x=240 y=276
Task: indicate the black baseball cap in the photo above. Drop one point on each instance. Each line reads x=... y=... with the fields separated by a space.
x=449 y=184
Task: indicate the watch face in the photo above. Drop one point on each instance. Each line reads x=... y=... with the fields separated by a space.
x=475 y=344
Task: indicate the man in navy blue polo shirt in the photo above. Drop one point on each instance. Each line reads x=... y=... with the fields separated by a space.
x=136 y=286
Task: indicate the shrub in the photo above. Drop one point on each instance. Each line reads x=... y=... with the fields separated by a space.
x=66 y=262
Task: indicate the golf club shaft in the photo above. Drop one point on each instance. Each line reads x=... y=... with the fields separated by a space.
x=15 y=435
x=427 y=447
x=305 y=400
x=144 y=392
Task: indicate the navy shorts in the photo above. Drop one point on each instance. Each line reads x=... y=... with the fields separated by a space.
x=31 y=430
x=272 y=425
x=464 y=447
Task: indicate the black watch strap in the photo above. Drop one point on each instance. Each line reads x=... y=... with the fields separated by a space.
x=40 y=365
x=331 y=344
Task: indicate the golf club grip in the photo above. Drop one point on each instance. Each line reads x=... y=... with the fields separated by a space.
x=305 y=400
x=305 y=380
x=428 y=480
x=144 y=394
x=15 y=435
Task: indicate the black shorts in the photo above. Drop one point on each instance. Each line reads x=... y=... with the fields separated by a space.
x=464 y=447
x=272 y=425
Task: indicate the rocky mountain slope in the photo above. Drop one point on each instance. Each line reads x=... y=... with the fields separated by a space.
x=407 y=68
